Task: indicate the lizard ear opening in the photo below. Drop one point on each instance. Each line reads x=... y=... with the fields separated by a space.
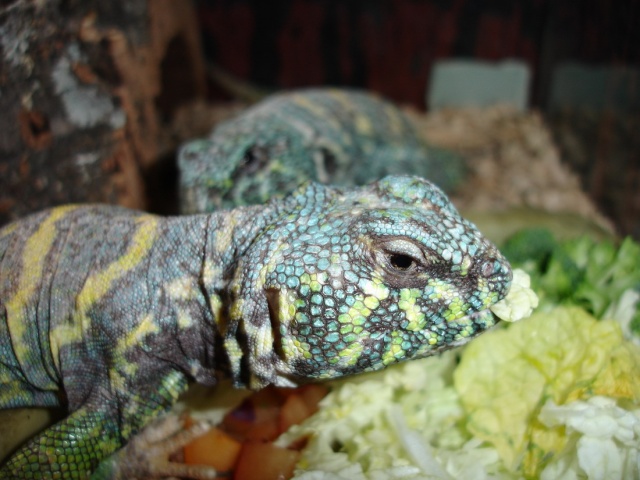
x=273 y=301
x=255 y=342
x=291 y=367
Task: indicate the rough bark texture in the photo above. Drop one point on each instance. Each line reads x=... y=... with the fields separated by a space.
x=85 y=87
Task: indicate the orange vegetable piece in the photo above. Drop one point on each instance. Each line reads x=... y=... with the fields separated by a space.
x=257 y=417
x=265 y=431
x=215 y=449
x=265 y=461
x=266 y=410
x=294 y=411
x=284 y=392
x=312 y=394
x=237 y=427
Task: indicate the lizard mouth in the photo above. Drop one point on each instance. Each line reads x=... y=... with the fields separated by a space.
x=472 y=325
x=283 y=329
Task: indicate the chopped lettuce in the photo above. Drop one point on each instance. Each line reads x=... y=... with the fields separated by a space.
x=490 y=415
x=505 y=377
x=519 y=302
x=405 y=422
x=601 y=276
x=603 y=440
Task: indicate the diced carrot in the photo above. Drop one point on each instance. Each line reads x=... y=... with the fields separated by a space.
x=256 y=418
x=293 y=411
x=239 y=421
x=266 y=430
x=312 y=394
x=266 y=407
x=265 y=461
x=264 y=413
x=284 y=392
x=215 y=448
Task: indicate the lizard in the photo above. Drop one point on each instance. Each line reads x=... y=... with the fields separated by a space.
x=330 y=135
x=111 y=313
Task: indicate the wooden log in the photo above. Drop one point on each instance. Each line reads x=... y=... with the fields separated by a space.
x=85 y=87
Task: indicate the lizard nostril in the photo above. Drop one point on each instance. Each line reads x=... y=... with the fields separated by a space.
x=489 y=267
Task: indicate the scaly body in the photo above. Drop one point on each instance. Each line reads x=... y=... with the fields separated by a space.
x=110 y=313
x=337 y=136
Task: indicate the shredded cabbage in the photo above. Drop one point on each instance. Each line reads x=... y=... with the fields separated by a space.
x=520 y=300
x=404 y=422
x=514 y=407
x=603 y=440
x=564 y=355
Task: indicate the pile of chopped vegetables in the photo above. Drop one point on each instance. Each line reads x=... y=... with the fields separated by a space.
x=554 y=396
x=599 y=276
x=244 y=438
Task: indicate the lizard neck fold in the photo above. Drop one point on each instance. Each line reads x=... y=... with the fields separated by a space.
x=228 y=236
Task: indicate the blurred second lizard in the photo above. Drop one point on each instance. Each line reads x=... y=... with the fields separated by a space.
x=329 y=135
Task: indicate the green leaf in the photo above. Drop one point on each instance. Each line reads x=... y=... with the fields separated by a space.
x=505 y=376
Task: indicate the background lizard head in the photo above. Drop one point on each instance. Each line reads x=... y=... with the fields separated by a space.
x=355 y=280
x=261 y=153
x=332 y=136
x=246 y=168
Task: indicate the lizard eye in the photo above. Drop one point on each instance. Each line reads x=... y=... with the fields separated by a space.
x=404 y=263
x=254 y=159
x=401 y=256
x=401 y=262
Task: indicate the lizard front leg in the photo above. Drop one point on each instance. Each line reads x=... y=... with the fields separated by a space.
x=74 y=447
x=70 y=449
x=147 y=455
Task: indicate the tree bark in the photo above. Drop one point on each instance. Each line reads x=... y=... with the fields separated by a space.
x=85 y=86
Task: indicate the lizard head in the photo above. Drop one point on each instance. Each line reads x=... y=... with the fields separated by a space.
x=355 y=280
x=245 y=169
x=251 y=157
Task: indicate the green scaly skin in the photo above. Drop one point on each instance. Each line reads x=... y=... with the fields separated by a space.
x=336 y=136
x=110 y=312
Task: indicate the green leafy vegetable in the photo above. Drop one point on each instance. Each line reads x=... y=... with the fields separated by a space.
x=505 y=377
x=600 y=276
x=529 y=245
x=603 y=440
x=519 y=302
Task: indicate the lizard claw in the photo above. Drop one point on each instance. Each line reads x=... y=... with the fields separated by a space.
x=147 y=455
